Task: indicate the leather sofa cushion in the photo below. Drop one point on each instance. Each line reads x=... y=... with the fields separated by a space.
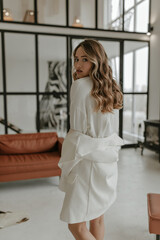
x=22 y=163
x=27 y=143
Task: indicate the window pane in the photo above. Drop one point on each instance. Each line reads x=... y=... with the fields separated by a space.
x=52 y=12
x=135 y=66
x=2 y=128
x=128 y=72
x=1 y=80
x=129 y=21
x=53 y=113
x=141 y=73
x=110 y=14
x=136 y=15
x=82 y=13
x=22 y=112
x=129 y=15
x=128 y=4
x=52 y=64
x=142 y=16
x=18 y=10
x=134 y=113
x=20 y=62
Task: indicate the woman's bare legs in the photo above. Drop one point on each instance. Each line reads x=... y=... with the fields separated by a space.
x=80 y=231
x=97 y=227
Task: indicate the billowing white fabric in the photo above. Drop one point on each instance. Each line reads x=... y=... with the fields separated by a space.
x=89 y=158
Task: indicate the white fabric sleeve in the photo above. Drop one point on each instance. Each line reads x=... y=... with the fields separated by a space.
x=78 y=120
x=115 y=121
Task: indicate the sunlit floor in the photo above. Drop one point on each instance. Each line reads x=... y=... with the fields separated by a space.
x=41 y=199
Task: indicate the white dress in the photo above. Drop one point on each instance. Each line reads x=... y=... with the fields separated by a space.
x=89 y=157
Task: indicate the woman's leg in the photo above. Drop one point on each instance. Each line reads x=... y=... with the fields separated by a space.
x=97 y=227
x=80 y=231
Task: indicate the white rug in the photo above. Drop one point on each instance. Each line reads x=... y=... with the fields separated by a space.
x=10 y=218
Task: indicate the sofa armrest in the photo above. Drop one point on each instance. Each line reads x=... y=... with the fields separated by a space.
x=60 y=142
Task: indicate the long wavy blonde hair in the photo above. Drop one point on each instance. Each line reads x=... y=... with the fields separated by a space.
x=105 y=90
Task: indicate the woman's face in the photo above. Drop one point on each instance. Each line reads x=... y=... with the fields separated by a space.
x=81 y=63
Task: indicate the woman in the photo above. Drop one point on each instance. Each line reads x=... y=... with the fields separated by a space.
x=90 y=149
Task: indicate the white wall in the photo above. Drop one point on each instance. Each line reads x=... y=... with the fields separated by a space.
x=154 y=84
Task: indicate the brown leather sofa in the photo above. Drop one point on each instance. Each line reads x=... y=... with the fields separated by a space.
x=28 y=156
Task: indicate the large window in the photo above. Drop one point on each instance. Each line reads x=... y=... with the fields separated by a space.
x=53 y=84
x=20 y=62
x=110 y=14
x=135 y=17
x=135 y=87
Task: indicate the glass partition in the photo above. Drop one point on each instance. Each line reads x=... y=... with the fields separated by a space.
x=141 y=69
x=22 y=112
x=52 y=64
x=135 y=66
x=52 y=12
x=142 y=16
x=136 y=15
x=82 y=13
x=135 y=80
x=53 y=113
x=110 y=14
x=53 y=82
x=129 y=15
x=135 y=19
x=134 y=113
x=20 y=62
x=18 y=10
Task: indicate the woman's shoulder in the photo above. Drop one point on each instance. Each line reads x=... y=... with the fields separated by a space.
x=86 y=81
x=81 y=87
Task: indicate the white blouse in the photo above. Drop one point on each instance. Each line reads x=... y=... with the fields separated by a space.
x=83 y=118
